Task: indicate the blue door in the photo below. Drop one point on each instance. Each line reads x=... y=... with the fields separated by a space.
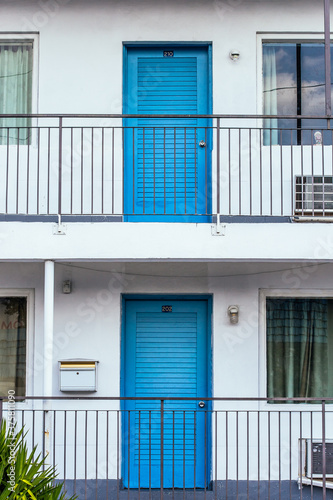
x=165 y=357
x=167 y=160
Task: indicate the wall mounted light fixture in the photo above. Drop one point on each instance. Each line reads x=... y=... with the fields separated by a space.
x=233 y=312
x=234 y=55
x=66 y=286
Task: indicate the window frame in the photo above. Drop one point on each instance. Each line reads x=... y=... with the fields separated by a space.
x=29 y=294
x=28 y=37
x=282 y=293
x=274 y=37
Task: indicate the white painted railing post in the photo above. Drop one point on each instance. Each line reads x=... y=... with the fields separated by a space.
x=48 y=325
x=48 y=352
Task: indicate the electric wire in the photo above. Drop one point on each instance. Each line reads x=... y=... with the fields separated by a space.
x=144 y=275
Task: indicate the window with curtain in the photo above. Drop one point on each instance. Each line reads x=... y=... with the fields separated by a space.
x=299 y=347
x=294 y=84
x=13 y=320
x=16 y=62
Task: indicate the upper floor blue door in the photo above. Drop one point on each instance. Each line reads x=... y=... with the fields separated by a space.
x=165 y=356
x=167 y=160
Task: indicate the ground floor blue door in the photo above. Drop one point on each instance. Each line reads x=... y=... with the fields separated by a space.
x=166 y=356
x=167 y=173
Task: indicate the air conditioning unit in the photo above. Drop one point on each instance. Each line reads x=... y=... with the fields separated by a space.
x=311 y=460
x=314 y=195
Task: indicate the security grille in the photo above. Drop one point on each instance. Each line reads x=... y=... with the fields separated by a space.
x=314 y=195
x=311 y=453
x=316 y=457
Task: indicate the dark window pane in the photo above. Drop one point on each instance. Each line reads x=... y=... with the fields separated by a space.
x=299 y=339
x=13 y=317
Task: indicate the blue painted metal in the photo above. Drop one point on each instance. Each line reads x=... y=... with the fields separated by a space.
x=167 y=173
x=165 y=356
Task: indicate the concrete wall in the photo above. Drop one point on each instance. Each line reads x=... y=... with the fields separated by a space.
x=79 y=69
x=88 y=324
x=80 y=63
x=155 y=241
x=88 y=321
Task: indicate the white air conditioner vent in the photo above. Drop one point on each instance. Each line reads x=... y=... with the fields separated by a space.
x=314 y=195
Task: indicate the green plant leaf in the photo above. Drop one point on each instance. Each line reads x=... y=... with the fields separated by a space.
x=25 y=481
x=31 y=481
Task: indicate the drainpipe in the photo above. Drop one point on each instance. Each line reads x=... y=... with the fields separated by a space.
x=328 y=104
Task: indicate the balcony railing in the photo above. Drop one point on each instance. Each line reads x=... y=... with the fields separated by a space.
x=166 y=168
x=214 y=448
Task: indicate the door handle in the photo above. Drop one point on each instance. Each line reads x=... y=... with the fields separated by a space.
x=201 y=404
x=202 y=144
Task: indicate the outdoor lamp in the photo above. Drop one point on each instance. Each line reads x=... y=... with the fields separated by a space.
x=233 y=312
x=234 y=55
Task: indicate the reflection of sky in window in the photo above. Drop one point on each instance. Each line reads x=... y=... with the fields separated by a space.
x=312 y=77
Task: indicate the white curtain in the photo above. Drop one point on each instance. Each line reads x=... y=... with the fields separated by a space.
x=270 y=95
x=15 y=91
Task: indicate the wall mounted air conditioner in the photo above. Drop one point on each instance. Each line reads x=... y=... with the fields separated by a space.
x=314 y=195
x=311 y=468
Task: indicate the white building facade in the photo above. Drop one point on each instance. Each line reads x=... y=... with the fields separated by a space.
x=169 y=161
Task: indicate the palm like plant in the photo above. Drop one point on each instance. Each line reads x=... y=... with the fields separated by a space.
x=31 y=481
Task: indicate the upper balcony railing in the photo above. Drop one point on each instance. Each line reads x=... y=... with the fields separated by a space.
x=166 y=167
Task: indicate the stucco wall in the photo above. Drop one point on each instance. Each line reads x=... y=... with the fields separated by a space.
x=80 y=44
x=88 y=321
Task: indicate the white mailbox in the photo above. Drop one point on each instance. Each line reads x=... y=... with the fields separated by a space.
x=78 y=375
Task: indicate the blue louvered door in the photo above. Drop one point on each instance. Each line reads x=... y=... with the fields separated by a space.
x=165 y=356
x=167 y=173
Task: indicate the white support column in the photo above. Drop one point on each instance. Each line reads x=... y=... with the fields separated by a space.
x=48 y=326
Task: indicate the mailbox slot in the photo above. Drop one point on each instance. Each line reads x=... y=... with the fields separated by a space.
x=78 y=375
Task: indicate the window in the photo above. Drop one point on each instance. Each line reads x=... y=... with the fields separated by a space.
x=16 y=68
x=299 y=347
x=13 y=327
x=294 y=84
